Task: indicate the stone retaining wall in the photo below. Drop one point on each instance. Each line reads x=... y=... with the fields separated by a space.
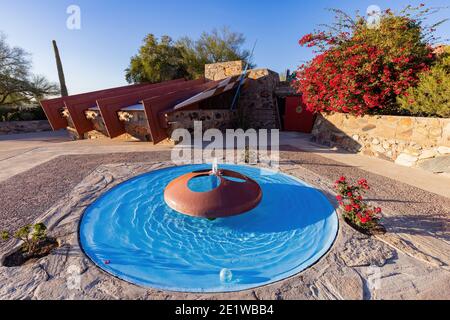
x=11 y=127
x=218 y=119
x=409 y=141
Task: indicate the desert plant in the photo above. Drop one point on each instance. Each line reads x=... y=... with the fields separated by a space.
x=361 y=69
x=59 y=67
x=431 y=96
x=18 y=86
x=31 y=235
x=354 y=208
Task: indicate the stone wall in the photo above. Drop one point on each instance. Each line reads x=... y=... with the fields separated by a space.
x=257 y=103
x=258 y=106
x=136 y=125
x=11 y=127
x=219 y=71
x=219 y=119
x=409 y=141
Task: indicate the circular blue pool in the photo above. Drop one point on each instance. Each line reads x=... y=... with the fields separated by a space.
x=131 y=233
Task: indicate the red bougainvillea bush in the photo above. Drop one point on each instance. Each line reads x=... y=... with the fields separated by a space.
x=361 y=69
x=354 y=209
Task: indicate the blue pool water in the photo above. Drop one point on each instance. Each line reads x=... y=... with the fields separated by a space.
x=131 y=233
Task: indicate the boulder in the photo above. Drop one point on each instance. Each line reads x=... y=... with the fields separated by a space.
x=437 y=165
x=407 y=160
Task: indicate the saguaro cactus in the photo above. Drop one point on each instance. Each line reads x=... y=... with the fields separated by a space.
x=62 y=80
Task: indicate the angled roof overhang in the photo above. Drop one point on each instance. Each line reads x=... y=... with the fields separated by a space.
x=77 y=104
x=110 y=106
x=218 y=88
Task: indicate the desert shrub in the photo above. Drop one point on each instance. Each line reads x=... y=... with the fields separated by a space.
x=21 y=113
x=31 y=235
x=354 y=208
x=361 y=69
x=431 y=96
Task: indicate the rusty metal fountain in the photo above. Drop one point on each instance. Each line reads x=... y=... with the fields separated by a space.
x=232 y=194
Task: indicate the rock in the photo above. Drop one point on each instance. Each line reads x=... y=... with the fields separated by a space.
x=411 y=151
x=345 y=283
x=406 y=160
x=437 y=165
x=386 y=145
x=415 y=146
x=375 y=141
x=427 y=154
x=365 y=251
x=355 y=137
x=443 y=150
x=378 y=149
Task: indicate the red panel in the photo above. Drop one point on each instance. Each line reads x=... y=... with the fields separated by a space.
x=52 y=111
x=52 y=107
x=297 y=118
x=156 y=107
x=110 y=106
x=78 y=106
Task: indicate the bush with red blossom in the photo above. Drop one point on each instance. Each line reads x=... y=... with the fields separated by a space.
x=363 y=70
x=354 y=208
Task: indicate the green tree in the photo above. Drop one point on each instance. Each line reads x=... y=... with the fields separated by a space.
x=157 y=60
x=163 y=59
x=18 y=85
x=431 y=96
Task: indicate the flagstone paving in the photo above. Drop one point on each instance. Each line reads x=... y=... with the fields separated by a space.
x=410 y=262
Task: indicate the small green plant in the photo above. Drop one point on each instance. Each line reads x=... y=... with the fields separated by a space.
x=431 y=96
x=31 y=235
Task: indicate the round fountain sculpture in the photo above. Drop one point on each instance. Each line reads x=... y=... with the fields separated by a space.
x=147 y=231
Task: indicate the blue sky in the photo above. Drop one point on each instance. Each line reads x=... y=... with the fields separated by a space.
x=95 y=56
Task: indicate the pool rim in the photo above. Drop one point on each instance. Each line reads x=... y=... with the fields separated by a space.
x=296 y=273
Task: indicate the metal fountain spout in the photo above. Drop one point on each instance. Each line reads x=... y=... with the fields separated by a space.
x=215 y=167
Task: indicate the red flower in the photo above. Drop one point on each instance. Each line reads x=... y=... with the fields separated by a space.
x=362 y=181
x=339 y=198
x=377 y=210
x=348 y=208
x=364 y=219
x=349 y=194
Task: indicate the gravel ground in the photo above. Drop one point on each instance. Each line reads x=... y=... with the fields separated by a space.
x=399 y=197
x=26 y=196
